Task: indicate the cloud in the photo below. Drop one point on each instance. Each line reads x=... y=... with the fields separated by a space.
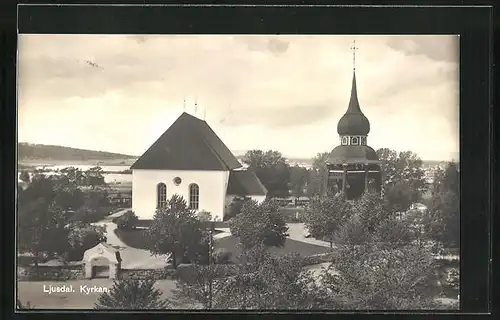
x=438 y=48
x=279 y=117
x=291 y=88
x=273 y=45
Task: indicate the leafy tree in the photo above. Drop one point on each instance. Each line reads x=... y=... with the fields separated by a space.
x=259 y=224
x=298 y=180
x=269 y=282
x=94 y=177
x=444 y=211
x=24 y=176
x=381 y=278
x=235 y=207
x=204 y=216
x=200 y=285
x=74 y=175
x=81 y=237
x=40 y=227
x=403 y=167
x=324 y=216
x=174 y=230
x=132 y=294
x=127 y=221
x=400 y=196
x=317 y=175
x=272 y=170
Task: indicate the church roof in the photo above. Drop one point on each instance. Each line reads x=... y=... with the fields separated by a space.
x=245 y=183
x=352 y=154
x=188 y=144
x=353 y=122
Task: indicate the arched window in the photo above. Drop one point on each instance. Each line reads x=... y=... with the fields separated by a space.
x=161 y=195
x=194 y=196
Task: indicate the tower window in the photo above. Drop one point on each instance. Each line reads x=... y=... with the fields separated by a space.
x=344 y=141
x=194 y=196
x=161 y=195
x=354 y=141
x=363 y=141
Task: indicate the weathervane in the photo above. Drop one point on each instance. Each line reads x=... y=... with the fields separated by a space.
x=354 y=48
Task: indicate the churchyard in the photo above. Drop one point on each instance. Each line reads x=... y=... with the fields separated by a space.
x=85 y=224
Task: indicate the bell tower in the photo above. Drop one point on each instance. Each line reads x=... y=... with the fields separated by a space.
x=353 y=166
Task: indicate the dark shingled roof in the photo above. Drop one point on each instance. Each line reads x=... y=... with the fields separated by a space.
x=245 y=182
x=189 y=144
x=353 y=122
x=352 y=154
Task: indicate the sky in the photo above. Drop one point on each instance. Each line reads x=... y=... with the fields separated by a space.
x=119 y=93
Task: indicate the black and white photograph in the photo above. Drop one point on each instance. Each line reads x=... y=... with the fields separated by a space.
x=241 y=172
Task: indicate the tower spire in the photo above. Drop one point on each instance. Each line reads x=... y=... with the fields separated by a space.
x=354 y=48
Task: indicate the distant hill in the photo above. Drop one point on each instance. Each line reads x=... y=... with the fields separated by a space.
x=27 y=151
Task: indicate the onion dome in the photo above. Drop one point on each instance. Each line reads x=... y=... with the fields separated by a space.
x=353 y=122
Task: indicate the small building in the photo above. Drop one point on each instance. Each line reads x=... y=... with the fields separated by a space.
x=103 y=260
x=191 y=161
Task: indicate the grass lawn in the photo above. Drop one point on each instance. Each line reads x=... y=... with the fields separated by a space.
x=230 y=244
x=134 y=238
x=32 y=291
x=137 y=238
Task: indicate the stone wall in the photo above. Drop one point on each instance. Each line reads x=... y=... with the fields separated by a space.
x=156 y=274
x=50 y=273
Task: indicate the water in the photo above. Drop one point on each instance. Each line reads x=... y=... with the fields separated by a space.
x=84 y=167
x=108 y=177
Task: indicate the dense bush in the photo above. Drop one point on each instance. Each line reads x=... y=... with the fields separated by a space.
x=235 y=207
x=126 y=221
x=132 y=294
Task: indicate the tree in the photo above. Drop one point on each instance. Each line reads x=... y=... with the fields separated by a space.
x=175 y=229
x=94 y=177
x=403 y=167
x=81 y=237
x=298 y=180
x=317 y=174
x=444 y=210
x=235 y=207
x=259 y=224
x=200 y=285
x=269 y=282
x=400 y=196
x=132 y=294
x=127 y=221
x=378 y=266
x=40 y=228
x=372 y=277
x=272 y=170
x=324 y=216
x=24 y=176
x=204 y=216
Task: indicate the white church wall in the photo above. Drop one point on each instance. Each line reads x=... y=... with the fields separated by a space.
x=212 y=186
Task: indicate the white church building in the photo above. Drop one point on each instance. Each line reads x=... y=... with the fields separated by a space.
x=190 y=160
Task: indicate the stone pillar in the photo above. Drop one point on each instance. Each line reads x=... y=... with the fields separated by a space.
x=88 y=270
x=113 y=270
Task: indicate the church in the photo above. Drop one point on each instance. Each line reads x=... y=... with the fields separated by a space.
x=191 y=161
x=353 y=166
